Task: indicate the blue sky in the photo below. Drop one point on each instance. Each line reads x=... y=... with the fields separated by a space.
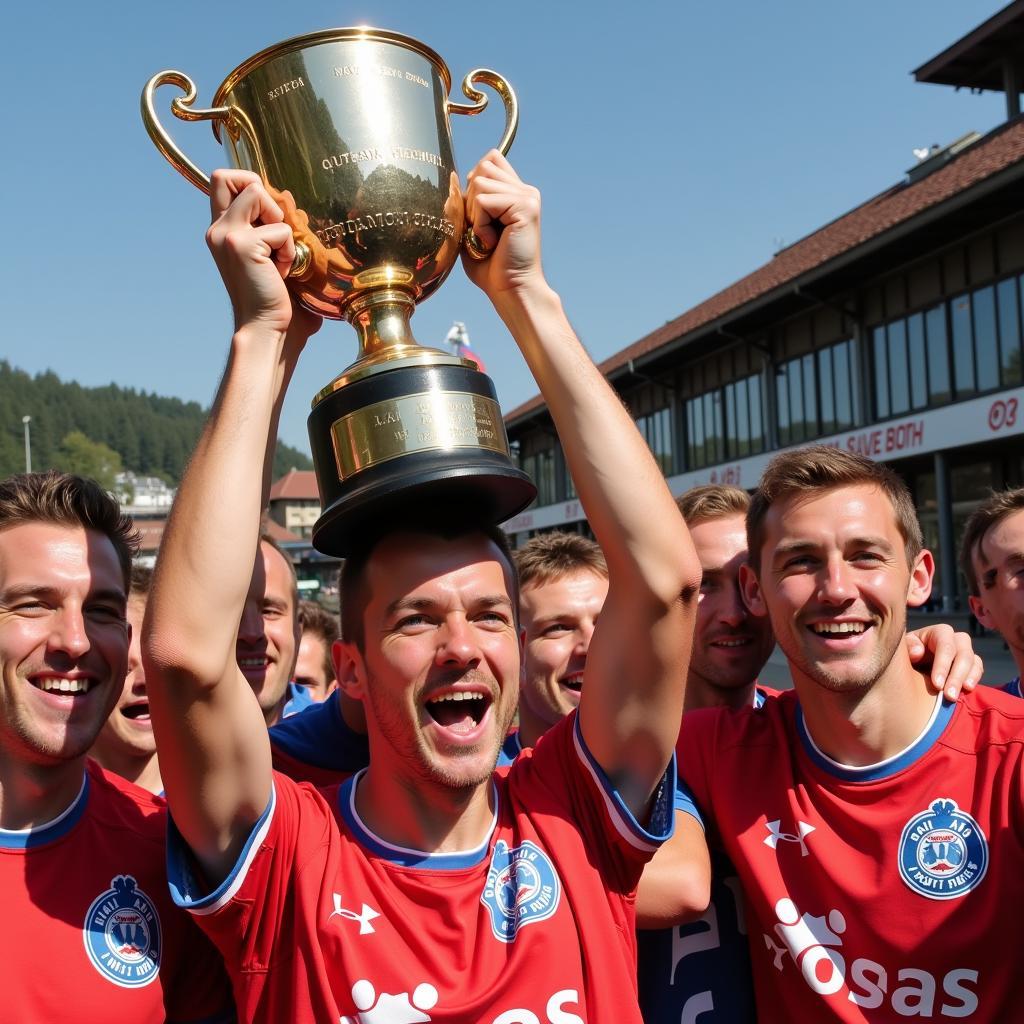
x=677 y=145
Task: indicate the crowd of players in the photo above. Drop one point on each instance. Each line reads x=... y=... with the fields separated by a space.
x=299 y=822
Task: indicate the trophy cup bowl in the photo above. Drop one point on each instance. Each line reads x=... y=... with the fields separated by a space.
x=349 y=129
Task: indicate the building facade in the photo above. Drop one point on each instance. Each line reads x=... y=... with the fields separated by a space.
x=894 y=331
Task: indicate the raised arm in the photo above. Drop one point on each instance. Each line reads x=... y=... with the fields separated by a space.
x=636 y=669
x=214 y=749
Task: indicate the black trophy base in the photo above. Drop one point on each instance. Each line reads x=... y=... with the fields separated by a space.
x=385 y=459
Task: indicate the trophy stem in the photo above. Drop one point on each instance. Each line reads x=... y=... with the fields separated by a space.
x=381 y=319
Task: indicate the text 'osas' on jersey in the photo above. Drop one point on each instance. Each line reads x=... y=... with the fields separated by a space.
x=875 y=893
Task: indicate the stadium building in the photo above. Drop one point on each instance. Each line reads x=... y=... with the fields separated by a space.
x=895 y=331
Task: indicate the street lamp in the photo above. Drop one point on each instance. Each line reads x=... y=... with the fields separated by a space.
x=28 y=444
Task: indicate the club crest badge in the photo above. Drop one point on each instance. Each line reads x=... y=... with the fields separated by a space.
x=521 y=888
x=122 y=934
x=943 y=853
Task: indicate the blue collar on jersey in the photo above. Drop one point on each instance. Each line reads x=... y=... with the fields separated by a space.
x=403 y=855
x=510 y=749
x=29 y=838
x=1014 y=688
x=937 y=723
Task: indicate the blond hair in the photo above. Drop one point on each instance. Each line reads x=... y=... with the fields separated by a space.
x=550 y=556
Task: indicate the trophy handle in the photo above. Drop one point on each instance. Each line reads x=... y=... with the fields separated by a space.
x=470 y=242
x=182 y=107
x=233 y=119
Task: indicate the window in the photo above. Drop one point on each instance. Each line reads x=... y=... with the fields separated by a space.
x=911 y=362
x=986 y=327
x=937 y=348
x=1008 y=296
x=899 y=379
x=744 y=428
x=816 y=394
x=986 y=342
x=540 y=467
x=963 y=355
x=705 y=430
x=656 y=429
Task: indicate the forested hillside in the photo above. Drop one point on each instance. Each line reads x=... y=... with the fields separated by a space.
x=111 y=428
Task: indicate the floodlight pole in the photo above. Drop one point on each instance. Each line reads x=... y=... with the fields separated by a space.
x=28 y=443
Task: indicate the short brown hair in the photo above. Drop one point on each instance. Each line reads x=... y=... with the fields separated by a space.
x=68 y=500
x=316 y=620
x=994 y=509
x=712 y=501
x=550 y=556
x=820 y=467
x=352 y=591
x=142 y=580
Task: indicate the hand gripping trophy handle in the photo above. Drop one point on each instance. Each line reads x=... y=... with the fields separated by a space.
x=233 y=121
x=181 y=106
x=474 y=248
x=350 y=131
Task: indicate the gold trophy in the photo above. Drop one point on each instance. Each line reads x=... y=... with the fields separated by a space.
x=349 y=130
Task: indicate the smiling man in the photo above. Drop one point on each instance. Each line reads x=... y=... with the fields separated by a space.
x=875 y=826
x=126 y=745
x=267 y=643
x=81 y=850
x=992 y=561
x=563 y=583
x=426 y=887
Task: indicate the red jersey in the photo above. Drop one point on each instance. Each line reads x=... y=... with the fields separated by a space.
x=90 y=933
x=321 y=920
x=874 y=893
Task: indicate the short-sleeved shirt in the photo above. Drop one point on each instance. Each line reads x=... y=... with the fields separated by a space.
x=90 y=933
x=875 y=893
x=321 y=920
x=701 y=970
x=316 y=745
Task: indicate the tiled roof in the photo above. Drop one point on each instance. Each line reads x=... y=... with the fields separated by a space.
x=899 y=204
x=279 y=533
x=297 y=485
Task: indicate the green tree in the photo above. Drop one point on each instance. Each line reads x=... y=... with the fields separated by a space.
x=80 y=454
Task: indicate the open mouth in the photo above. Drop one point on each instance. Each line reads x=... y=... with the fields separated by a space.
x=573 y=683
x=136 y=712
x=460 y=712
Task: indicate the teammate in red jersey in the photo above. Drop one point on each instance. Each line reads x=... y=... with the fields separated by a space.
x=426 y=887
x=703 y=967
x=89 y=931
x=563 y=584
x=992 y=560
x=881 y=847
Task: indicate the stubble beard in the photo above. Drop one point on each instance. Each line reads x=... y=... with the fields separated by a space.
x=841 y=682
x=409 y=745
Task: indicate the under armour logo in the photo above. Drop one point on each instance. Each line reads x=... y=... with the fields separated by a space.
x=391 y=1009
x=775 y=836
x=364 y=917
